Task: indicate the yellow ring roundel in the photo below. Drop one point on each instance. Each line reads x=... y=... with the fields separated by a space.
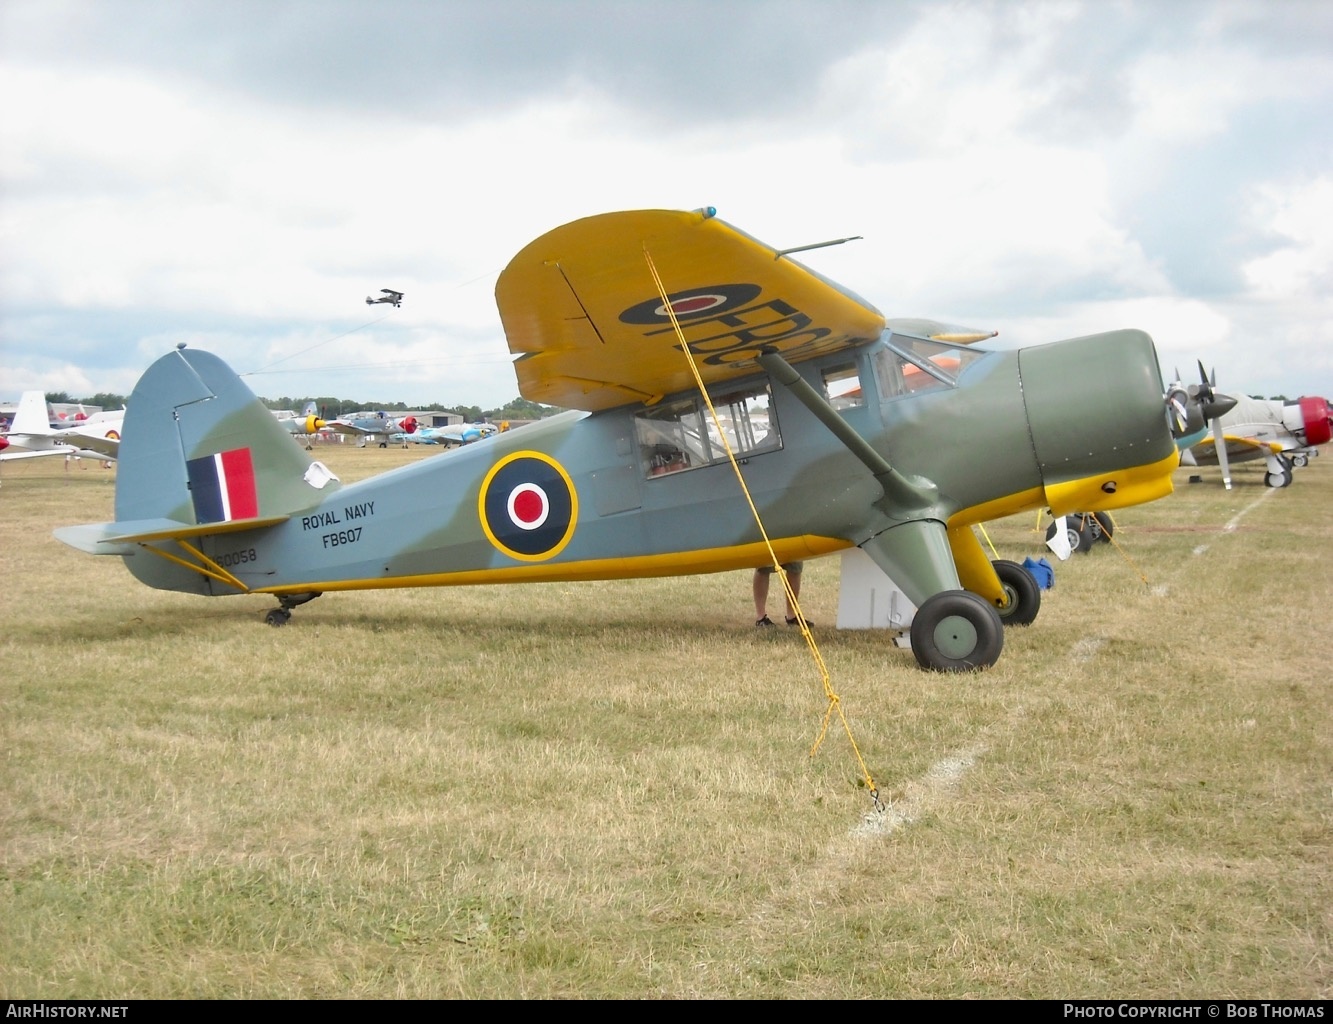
x=528 y=506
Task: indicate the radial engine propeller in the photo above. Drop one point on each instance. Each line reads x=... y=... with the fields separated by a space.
x=1198 y=407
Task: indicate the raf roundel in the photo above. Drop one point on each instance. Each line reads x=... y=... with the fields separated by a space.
x=528 y=506
x=692 y=304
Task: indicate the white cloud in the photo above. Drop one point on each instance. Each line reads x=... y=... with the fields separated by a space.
x=1301 y=215
x=1047 y=169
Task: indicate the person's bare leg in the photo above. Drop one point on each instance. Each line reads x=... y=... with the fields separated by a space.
x=793 y=581
x=760 y=588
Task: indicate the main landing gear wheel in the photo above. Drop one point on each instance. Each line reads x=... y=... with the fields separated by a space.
x=1080 y=538
x=1282 y=479
x=956 y=631
x=1022 y=596
x=277 y=616
x=1085 y=529
x=1100 y=526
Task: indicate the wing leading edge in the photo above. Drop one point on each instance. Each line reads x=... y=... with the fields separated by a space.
x=583 y=315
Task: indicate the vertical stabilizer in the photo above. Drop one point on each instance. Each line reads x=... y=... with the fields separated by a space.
x=31 y=416
x=199 y=447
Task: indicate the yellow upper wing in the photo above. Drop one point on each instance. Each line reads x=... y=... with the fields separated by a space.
x=581 y=310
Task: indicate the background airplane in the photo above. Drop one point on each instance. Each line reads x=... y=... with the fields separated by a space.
x=378 y=426
x=452 y=436
x=306 y=424
x=1191 y=408
x=32 y=436
x=631 y=481
x=1285 y=434
x=390 y=296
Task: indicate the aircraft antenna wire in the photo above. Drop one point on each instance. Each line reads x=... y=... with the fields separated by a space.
x=834 y=701
x=311 y=348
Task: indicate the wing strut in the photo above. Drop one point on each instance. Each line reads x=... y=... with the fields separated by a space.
x=899 y=492
x=834 y=701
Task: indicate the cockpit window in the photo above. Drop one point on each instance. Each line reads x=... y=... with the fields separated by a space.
x=911 y=365
x=679 y=435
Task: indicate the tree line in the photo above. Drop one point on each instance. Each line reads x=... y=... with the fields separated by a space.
x=332 y=408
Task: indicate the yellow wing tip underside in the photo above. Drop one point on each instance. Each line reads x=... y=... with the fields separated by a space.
x=581 y=311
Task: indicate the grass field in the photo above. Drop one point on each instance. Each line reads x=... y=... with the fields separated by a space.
x=607 y=790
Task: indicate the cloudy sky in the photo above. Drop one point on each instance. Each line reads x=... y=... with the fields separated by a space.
x=241 y=175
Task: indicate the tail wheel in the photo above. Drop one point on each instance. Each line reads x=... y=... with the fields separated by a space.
x=1022 y=595
x=956 y=631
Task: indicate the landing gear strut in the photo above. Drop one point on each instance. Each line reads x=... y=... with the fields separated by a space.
x=282 y=615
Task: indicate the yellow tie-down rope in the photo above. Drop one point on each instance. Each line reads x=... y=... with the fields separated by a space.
x=834 y=701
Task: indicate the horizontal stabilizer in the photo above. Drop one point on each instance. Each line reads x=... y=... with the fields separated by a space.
x=118 y=538
x=11 y=456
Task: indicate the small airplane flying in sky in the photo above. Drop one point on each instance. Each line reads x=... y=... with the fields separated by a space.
x=379 y=425
x=389 y=295
x=32 y=436
x=1286 y=435
x=670 y=337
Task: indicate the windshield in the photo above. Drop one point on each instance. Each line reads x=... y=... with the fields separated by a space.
x=908 y=365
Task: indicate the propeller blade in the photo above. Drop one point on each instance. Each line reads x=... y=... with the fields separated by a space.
x=1184 y=410
x=1221 y=446
x=1181 y=415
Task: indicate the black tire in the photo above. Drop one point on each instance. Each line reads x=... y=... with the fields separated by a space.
x=1080 y=538
x=1101 y=526
x=956 y=631
x=1023 y=596
x=277 y=616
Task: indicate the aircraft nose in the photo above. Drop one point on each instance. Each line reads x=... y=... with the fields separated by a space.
x=1095 y=414
x=1318 y=420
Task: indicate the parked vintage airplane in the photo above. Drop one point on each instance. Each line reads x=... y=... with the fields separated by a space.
x=452 y=436
x=32 y=436
x=213 y=499
x=1286 y=434
x=375 y=426
x=306 y=424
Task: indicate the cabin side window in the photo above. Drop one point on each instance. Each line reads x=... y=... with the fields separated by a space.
x=678 y=435
x=842 y=386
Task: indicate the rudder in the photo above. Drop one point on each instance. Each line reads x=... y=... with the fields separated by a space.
x=198 y=447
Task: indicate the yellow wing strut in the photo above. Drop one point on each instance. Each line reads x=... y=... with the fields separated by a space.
x=834 y=701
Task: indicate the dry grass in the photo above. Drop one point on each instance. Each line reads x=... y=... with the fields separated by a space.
x=605 y=789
